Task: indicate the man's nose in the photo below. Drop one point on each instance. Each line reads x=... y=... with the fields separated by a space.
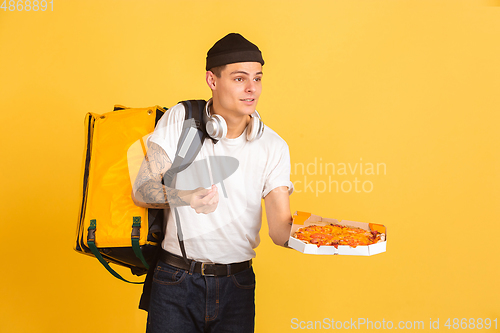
x=250 y=87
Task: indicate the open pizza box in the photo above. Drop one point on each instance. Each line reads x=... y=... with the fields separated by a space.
x=302 y=219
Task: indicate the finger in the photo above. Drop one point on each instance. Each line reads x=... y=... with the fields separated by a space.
x=214 y=200
x=209 y=197
x=213 y=192
x=207 y=190
x=209 y=209
x=202 y=193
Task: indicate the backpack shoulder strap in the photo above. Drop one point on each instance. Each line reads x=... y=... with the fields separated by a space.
x=191 y=139
x=195 y=109
x=190 y=142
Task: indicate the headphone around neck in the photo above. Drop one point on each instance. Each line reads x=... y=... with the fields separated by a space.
x=217 y=128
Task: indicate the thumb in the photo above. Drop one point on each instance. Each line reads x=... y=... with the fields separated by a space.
x=203 y=192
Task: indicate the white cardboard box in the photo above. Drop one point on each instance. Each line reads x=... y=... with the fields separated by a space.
x=302 y=219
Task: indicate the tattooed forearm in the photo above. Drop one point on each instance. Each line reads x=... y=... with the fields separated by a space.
x=175 y=197
x=148 y=189
x=152 y=192
x=157 y=195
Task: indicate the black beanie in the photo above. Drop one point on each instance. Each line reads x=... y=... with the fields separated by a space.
x=231 y=49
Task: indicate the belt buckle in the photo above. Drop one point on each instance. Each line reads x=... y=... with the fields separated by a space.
x=203 y=270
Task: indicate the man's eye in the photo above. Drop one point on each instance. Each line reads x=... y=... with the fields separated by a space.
x=239 y=79
x=258 y=79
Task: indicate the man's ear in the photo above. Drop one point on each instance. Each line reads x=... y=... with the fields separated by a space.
x=210 y=78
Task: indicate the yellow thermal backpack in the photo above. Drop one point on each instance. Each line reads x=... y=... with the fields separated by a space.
x=110 y=226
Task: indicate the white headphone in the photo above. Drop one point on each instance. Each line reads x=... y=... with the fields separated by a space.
x=217 y=128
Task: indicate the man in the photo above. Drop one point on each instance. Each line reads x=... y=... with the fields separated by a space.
x=214 y=290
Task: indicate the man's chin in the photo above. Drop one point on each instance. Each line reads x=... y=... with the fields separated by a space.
x=248 y=109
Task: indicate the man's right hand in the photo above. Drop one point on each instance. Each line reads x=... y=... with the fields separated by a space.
x=205 y=200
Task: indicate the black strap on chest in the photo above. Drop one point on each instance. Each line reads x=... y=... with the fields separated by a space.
x=190 y=142
x=189 y=145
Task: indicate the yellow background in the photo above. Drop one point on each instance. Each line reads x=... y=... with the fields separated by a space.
x=411 y=84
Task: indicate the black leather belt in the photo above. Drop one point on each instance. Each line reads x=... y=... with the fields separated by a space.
x=202 y=267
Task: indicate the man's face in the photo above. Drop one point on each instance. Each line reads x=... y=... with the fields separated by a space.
x=238 y=89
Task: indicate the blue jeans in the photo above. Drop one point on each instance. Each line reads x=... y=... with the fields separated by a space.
x=187 y=302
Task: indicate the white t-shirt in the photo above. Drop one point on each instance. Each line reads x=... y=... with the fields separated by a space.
x=244 y=173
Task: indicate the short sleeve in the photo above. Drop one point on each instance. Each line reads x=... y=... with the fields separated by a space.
x=168 y=130
x=279 y=170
